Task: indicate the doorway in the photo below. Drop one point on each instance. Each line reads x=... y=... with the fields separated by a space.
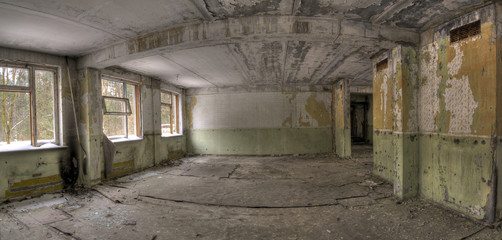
x=361 y=118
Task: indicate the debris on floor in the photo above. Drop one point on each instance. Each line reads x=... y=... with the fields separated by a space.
x=210 y=197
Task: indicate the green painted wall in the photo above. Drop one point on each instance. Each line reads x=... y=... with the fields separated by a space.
x=456 y=171
x=31 y=172
x=383 y=155
x=435 y=117
x=260 y=141
x=458 y=101
x=259 y=123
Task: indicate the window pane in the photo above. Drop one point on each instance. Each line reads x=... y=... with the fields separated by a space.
x=116 y=105
x=14 y=77
x=174 y=107
x=112 y=88
x=165 y=119
x=131 y=119
x=165 y=97
x=15 y=121
x=113 y=125
x=44 y=82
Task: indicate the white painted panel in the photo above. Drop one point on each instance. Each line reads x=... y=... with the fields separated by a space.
x=257 y=110
x=30 y=30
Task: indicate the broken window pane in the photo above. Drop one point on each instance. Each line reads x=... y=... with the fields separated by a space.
x=44 y=82
x=15 y=117
x=14 y=77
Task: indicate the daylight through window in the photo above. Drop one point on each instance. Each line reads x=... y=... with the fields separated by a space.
x=169 y=113
x=120 y=108
x=28 y=106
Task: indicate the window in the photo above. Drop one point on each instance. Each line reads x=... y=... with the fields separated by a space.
x=28 y=106
x=170 y=119
x=120 y=108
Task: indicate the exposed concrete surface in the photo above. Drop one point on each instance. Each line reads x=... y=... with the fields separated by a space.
x=193 y=42
x=305 y=197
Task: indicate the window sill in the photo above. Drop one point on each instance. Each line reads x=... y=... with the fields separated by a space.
x=129 y=139
x=170 y=136
x=27 y=148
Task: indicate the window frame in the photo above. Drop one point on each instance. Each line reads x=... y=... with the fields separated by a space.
x=177 y=100
x=31 y=90
x=121 y=113
x=125 y=114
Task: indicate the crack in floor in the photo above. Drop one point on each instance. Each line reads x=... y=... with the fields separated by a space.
x=241 y=206
x=64 y=233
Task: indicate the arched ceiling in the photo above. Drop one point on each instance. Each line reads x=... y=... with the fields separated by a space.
x=225 y=43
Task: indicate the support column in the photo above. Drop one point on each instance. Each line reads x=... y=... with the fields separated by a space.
x=90 y=121
x=395 y=114
x=405 y=120
x=341 y=118
x=157 y=129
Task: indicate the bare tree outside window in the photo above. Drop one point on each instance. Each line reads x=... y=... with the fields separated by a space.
x=169 y=113
x=19 y=87
x=120 y=117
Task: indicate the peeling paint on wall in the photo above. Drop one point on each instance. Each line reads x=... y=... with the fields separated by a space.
x=318 y=111
x=429 y=101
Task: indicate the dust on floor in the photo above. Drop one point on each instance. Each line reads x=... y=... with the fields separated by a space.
x=215 y=197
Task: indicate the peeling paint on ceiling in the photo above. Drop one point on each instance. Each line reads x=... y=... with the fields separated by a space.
x=79 y=28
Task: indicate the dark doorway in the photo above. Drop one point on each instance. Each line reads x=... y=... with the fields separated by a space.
x=359 y=118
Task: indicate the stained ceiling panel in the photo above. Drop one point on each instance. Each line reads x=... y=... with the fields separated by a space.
x=77 y=28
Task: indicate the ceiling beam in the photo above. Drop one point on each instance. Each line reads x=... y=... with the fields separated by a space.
x=257 y=28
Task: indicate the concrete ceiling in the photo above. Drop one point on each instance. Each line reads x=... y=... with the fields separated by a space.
x=224 y=43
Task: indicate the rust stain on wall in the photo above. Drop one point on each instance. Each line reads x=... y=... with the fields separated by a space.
x=318 y=111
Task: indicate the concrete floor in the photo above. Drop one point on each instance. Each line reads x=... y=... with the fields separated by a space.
x=210 y=197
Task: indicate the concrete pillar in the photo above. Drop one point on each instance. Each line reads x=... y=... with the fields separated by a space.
x=155 y=115
x=405 y=120
x=395 y=114
x=90 y=121
x=341 y=118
